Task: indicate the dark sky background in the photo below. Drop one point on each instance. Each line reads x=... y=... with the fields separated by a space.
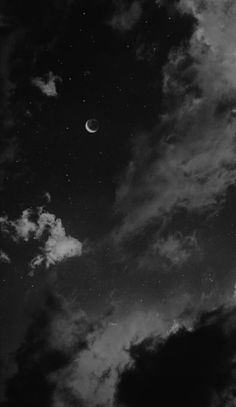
x=108 y=238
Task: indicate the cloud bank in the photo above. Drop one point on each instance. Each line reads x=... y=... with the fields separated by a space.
x=67 y=359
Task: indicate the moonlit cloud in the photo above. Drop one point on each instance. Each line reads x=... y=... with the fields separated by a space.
x=55 y=244
x=193 y=162
x=125 y=17
x=57 y=247
x=47 y=85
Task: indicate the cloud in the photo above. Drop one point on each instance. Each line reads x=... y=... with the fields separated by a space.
x=4 y=258
x=174 y=250
x=93 y=375
x=47 y=85
x=68 y=359
x=187 y=162
x=20 y=229
x=56 y=245
x=191 y=367
x=126 y=17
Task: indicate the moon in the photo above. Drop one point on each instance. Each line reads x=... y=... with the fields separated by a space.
x=92 y=125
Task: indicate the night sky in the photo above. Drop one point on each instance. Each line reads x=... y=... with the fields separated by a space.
x=118 y=234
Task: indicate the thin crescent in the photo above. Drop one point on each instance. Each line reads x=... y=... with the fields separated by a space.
x=88 y=128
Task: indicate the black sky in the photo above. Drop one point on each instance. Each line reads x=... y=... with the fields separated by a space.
x=140 y=215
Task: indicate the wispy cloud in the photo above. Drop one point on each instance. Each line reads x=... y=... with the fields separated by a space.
x=125 y=16
x=47 y=85
x=188 y=161
x=176 y=248
x=173 y=251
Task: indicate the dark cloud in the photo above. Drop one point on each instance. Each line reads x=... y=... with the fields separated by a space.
x=190 y=368
x=38 y=358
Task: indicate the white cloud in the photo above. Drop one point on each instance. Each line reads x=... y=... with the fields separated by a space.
x=56 y=245
x=125 y=18
x=47 y=85
x=193 y=162
x=4 y=258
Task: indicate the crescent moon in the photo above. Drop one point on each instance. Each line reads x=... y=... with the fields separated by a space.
x=88 y=128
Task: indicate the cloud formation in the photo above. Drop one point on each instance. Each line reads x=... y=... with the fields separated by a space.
x=47 y=85
x=188 y=161
x=56 y=245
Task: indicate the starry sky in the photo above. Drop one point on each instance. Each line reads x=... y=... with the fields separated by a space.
x=114 y=238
